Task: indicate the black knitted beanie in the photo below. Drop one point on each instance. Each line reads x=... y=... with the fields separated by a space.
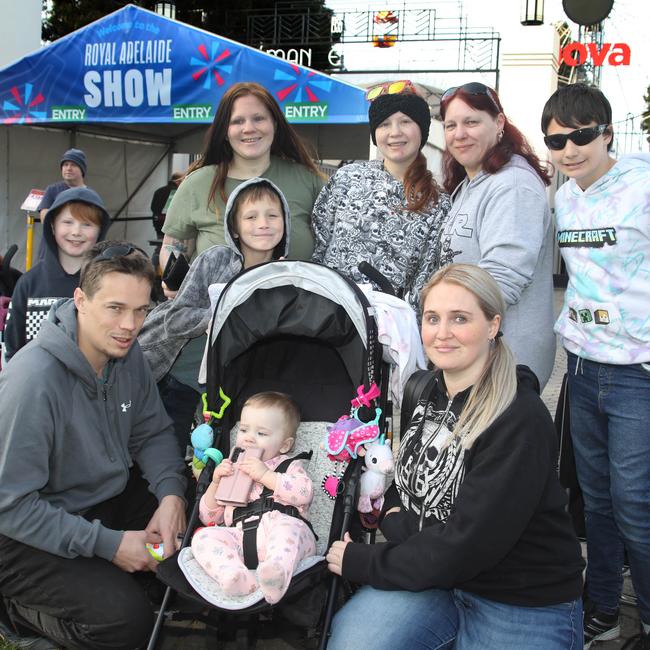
x=408 y=103
x=78 y=157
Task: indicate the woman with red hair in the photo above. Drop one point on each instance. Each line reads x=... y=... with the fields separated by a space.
x=500 y=217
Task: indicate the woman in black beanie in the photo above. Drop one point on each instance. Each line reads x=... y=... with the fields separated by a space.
x=385 y=212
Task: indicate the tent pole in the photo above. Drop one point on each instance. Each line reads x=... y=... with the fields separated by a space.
x=166 y=153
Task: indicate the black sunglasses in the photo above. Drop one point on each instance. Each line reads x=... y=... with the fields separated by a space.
x=473 y=88
x=580 y=137
x=119 y=250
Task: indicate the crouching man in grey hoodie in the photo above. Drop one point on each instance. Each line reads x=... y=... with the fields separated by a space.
x=90 y=469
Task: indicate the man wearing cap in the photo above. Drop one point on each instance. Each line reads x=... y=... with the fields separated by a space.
x=90 y=470
x=73 y=172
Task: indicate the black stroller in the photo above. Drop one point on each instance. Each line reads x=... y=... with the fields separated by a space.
x=302 y=329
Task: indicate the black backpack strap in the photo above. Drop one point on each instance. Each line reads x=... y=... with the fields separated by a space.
x=257 y=508
x=419 y=384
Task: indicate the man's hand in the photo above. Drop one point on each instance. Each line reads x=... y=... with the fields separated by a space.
x=334 y=556
x=167 y=523
x=132 y=554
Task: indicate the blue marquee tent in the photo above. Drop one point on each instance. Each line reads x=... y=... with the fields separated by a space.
x=132 y=89
x=134 y=66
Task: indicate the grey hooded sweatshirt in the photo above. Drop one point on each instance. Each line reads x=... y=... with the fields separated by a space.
x=174 y=323
x=68 y=440
x=502 y=222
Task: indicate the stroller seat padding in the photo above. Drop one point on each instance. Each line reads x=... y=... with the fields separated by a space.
x=310 y=436
x=207 y=588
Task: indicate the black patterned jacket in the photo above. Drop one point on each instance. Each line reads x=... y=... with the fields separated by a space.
x=360 y=216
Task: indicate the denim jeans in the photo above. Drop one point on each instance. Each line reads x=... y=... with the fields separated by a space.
x=438 y=619
x=610 y=429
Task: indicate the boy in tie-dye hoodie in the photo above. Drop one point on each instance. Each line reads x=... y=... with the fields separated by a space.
x=603 y=231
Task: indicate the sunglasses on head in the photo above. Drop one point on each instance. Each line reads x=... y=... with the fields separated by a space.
x=119 y=250
x=390 y=88
x=579 y=137
x=473 y=88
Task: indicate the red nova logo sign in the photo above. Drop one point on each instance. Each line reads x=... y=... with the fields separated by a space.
x=575 y=54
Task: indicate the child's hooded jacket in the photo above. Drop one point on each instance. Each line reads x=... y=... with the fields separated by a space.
x=45 y=283
x=172 y=324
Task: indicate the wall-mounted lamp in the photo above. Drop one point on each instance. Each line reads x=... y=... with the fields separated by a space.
x=166 y=9
x=532 y=12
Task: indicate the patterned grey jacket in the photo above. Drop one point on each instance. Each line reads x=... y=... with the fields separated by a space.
x=173 y=323
x=360 y=216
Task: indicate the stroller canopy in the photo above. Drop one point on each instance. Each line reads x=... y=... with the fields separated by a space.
x=297 y=327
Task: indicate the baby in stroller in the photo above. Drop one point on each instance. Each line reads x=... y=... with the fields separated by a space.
x=272 y=533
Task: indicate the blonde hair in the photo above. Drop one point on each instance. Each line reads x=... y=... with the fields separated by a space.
x=496 y=388
x=281 y=401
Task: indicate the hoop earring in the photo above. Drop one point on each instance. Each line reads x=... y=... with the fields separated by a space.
x=499 y=136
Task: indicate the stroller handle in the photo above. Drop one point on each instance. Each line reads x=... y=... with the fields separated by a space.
x=8 y=256
x=377 y=277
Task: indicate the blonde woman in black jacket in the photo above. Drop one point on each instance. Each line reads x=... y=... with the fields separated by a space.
x=480 y=552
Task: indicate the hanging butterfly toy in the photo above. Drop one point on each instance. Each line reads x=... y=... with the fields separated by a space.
x=347 y=435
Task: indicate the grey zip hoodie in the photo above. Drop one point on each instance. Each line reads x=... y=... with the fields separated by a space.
x=173 y=323
x=502 y=222
x=69 y=439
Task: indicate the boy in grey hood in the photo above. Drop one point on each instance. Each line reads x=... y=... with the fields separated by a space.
x=79 y=409
x=256 y=230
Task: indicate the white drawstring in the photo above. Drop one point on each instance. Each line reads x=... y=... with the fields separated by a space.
x=579 y=366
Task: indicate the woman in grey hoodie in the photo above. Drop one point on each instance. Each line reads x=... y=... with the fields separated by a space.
x=256 y=229
x=500 y=217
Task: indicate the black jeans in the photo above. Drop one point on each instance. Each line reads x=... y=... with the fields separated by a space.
x=180 y=402
x=83 y=603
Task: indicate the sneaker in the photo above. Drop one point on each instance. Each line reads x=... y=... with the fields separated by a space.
x=13 y=640
x=638 y=642
x=601 y=627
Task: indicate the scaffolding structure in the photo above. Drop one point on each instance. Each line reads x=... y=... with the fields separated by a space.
x=459 y=49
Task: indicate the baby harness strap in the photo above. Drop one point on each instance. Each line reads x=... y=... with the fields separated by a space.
x=265 y=503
